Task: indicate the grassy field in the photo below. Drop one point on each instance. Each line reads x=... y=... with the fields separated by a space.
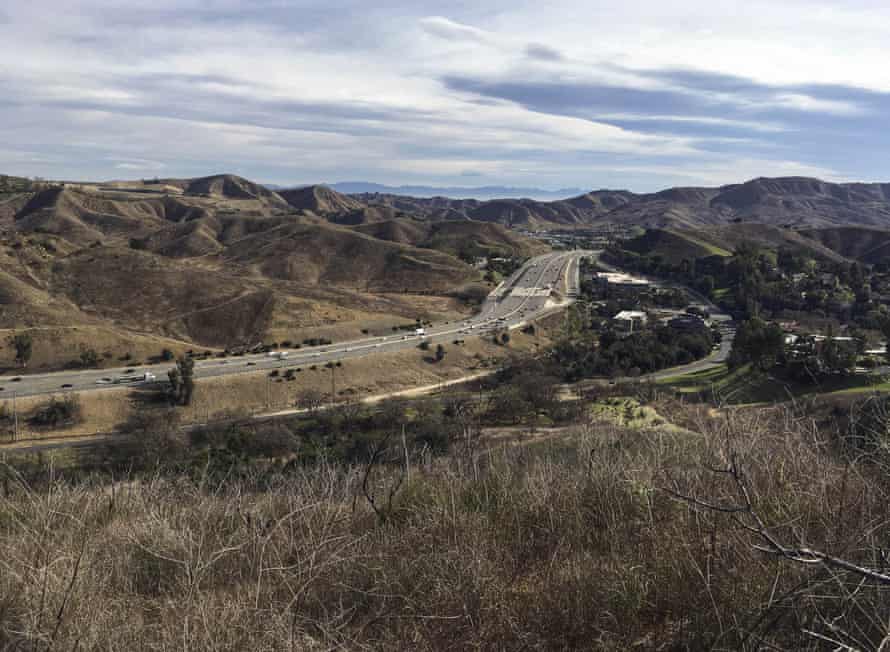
x=745 y=385
x=711 y=248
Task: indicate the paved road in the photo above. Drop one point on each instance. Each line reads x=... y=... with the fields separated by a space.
x=543 y=284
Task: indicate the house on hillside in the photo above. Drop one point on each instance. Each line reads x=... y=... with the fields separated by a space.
x=628 y=321
x=688 y=323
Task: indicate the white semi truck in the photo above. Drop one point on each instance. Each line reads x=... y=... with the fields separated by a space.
x=420 y=331
x=146 y=377
x=278 y=355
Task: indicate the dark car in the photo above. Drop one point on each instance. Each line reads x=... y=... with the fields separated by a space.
x=67 y=386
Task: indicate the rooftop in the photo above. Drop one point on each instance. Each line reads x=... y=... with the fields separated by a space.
x=630 y=315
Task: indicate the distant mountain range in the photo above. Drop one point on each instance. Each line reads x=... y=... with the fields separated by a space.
x=794 y=202
x=481 y=192
x=797 y=202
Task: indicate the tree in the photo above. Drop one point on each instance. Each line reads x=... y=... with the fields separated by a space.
x=89 y=358
x=182 y=381
x=187 y=370
x=440 y=353
x=310 y=400
x=885 y=330
x=23 y=345
x=758 y=342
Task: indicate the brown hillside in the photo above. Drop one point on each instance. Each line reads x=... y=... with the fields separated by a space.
x=320 y=200
x=771 y=237
x=329 y=255
x=794 y=201
x=228 y=186
x=856 y=243
x=455 y=237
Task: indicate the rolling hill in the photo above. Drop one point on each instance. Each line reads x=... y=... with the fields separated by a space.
x=796 y=202
x=464 y=238
x=855 y=243
x=220 y=262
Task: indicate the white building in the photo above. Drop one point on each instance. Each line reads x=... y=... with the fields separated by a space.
x=630 y=320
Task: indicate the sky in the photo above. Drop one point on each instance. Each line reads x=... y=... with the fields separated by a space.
x=563 y=93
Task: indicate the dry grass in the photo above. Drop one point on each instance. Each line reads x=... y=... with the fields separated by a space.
x=561 y=545
x=56 y=346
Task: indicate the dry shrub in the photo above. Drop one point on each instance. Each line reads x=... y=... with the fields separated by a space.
x=568 y=544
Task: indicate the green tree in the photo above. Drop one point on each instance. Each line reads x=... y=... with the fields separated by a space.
x=89 y=358
x=24 y=347
x=758 y=342
x=885 y=330
x=182 y=381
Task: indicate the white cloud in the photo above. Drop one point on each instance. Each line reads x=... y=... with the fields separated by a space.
x=311 y=89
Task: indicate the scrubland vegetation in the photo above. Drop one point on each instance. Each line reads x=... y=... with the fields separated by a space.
x=417 y=525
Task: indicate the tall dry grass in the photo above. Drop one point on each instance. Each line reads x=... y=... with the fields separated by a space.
x=570 y=544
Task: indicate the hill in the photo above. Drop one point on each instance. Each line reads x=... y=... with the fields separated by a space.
x=475 y=192
x=788 y=201
x=856 y=243
x=217 y=262
x=228 y=186
x=465 y=239
x=672 y=246
x=730 y=236
x=320 y=200
x=331 y=255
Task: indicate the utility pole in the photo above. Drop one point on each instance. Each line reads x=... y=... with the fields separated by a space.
x=15 y=419
x=333 y=385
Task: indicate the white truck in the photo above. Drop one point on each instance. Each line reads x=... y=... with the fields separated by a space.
x=279 y=355
x=146 y=377
x=420 y=331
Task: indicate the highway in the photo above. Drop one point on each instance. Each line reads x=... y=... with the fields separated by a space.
x=545 y=283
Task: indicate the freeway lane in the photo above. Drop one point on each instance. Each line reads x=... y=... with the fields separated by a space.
x=533 y=290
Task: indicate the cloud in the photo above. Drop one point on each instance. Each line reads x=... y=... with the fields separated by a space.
x=543 y=52
x=427 y=92
x=138 y=164
x=448 y=29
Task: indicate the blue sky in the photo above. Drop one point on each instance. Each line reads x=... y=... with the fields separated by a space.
x=568 y=93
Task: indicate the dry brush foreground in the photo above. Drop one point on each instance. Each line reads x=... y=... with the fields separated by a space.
x=612 y=538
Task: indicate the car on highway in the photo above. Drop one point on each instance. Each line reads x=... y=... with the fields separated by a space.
x=67 y=386
x=129 y=371
x=251 y=364
x=103 y=381
x=17 y=379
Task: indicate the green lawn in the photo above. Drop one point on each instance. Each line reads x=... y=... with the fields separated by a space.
x=712 y=249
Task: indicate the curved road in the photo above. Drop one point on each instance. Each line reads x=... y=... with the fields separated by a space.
x=529 y=293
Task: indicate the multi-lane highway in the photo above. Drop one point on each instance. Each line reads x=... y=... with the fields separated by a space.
x=543 y=284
